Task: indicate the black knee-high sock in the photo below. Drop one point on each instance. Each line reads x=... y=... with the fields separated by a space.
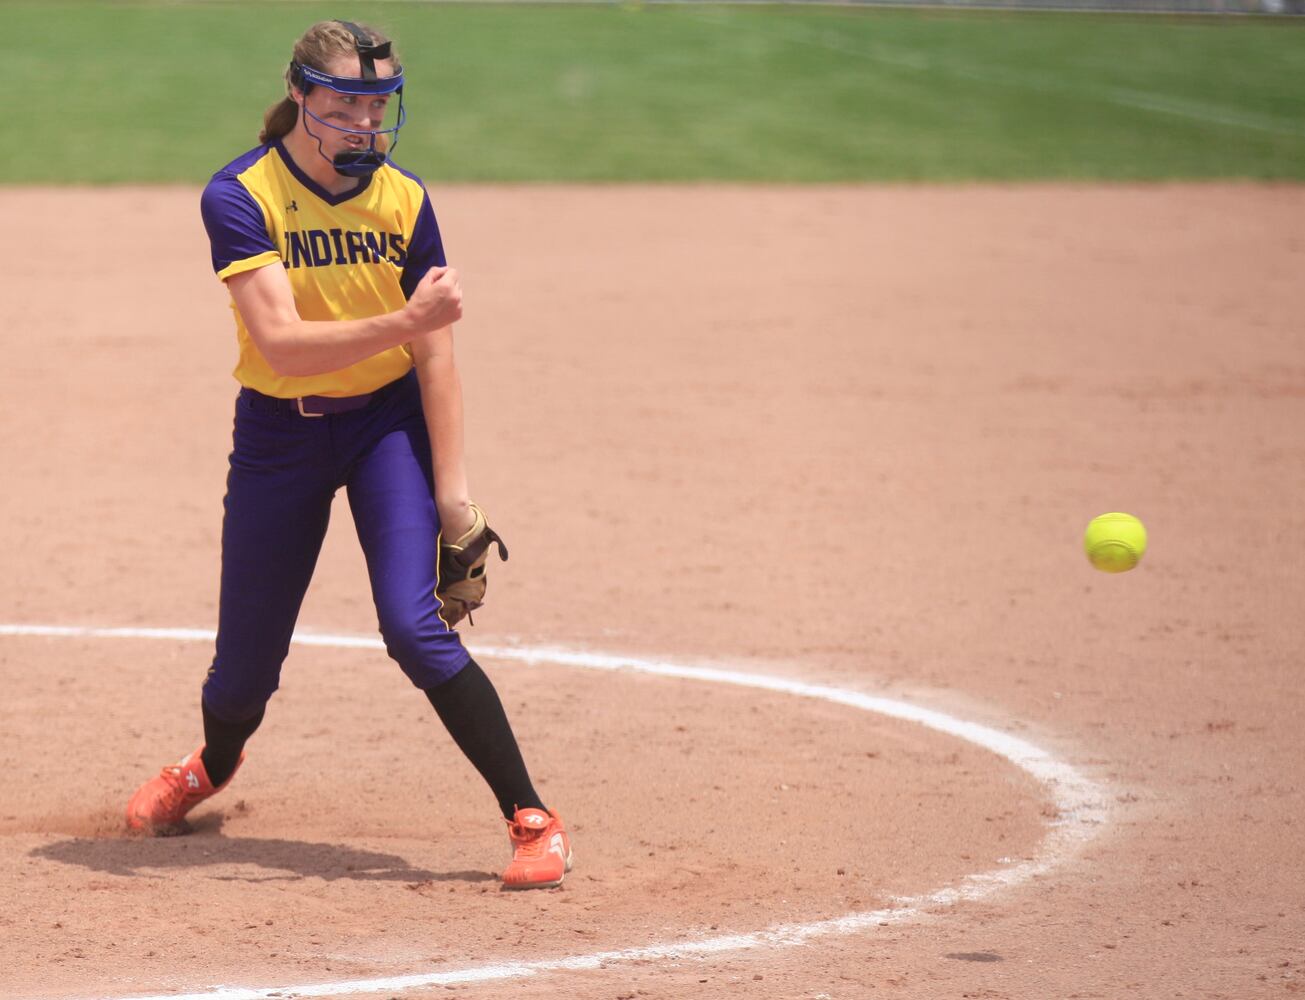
x=471 y=711
x=223 y=742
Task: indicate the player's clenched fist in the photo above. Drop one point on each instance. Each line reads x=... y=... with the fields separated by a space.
x=437 y=300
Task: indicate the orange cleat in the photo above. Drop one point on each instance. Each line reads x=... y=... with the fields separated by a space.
x=541 y=850
x=160 y=805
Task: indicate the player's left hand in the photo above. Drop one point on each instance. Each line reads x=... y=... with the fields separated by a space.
x=461 y=586
x=457 y=517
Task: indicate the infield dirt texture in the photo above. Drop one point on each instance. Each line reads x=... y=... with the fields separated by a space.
x=843 y=433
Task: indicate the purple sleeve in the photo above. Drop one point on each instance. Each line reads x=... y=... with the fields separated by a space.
x=425 y=250
x=235 y=224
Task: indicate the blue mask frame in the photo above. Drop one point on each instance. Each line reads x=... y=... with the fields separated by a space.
x=360 y=162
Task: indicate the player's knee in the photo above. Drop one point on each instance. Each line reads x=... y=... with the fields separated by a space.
x=423 y=646
x=411 y=629
x=405 y=638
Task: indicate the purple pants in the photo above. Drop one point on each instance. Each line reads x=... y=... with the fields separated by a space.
x=285 y=471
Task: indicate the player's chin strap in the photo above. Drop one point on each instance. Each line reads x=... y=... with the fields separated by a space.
x=355 y=162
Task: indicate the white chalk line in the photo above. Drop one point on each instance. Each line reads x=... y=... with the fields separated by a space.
x=1080 y=805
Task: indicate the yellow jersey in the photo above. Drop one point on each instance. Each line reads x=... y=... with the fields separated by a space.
x=348 y=256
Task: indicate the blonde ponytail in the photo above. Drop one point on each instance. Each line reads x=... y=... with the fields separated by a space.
x=279 y=120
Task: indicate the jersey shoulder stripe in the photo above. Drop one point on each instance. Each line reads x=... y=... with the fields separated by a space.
x=425 y=247
x=243 y=162
x=391 y=165
x=236 y=221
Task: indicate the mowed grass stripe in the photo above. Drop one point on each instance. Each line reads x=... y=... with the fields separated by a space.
x=146 y=92
x=922 y=61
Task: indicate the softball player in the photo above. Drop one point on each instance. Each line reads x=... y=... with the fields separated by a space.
x=343 y=308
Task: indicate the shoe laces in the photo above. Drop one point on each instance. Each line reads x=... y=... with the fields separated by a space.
x=176 y=793
x=529 y=843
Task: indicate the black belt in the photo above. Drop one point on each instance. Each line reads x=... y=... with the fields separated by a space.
x=315 y=406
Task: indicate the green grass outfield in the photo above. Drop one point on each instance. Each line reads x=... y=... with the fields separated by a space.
x=151 y=92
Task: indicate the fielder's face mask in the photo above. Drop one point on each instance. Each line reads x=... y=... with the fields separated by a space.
x=363 y=161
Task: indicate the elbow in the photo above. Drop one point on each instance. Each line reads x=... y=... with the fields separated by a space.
x=286 y=366
x=278 y=350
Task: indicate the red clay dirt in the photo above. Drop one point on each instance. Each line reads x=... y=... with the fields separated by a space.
x=847 y=435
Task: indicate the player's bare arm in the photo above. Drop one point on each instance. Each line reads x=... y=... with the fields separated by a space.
x=294 y=346
x=441 y=397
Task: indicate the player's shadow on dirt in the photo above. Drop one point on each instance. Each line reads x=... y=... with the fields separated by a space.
x=275 y=860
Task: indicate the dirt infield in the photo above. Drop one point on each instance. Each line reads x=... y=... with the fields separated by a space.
x=849 y=436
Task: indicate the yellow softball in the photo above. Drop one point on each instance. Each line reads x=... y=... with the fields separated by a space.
x=1114 y=542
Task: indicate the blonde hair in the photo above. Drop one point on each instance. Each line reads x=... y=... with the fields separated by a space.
x=317 y=48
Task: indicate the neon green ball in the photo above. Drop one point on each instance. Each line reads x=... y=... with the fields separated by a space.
x=1115 y=542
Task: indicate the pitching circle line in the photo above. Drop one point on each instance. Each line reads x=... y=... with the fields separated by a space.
x=1079 y=801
